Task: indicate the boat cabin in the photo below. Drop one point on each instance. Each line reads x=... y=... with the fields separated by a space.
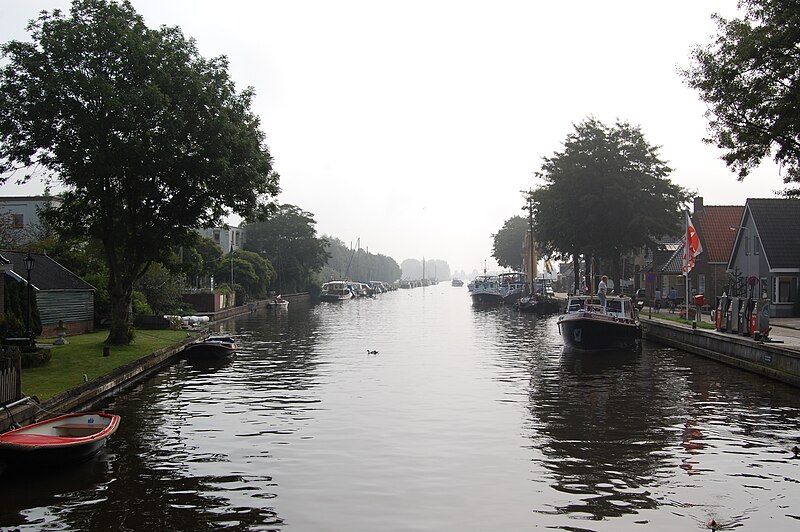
x=616 y=306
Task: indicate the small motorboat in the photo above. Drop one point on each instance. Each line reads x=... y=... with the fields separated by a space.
x=336 y=291
x=60 y=441
x=486 y=290
x=213 y=347
x=538 y=304
x=277 y=302
x=588 y=325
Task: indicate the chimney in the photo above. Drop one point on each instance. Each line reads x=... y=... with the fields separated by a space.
x=698 y=204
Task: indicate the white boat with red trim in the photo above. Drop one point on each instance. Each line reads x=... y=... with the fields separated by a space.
x=588 y=325
x=63 y=440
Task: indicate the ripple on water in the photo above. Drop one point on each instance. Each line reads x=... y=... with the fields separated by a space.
x=465 y=419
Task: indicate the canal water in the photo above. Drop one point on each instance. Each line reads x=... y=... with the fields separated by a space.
x=465 y=419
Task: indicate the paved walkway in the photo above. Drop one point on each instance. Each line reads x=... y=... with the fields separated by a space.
x=785 y=331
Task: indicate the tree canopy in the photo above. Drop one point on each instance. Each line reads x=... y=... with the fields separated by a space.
x=252 y=273
x=508 y=241
x=148 y=139
x=749 y=77
x=359 y=264
x=605 y=194
x=288 y=238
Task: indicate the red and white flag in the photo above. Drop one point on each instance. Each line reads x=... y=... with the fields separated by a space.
x=692 y=246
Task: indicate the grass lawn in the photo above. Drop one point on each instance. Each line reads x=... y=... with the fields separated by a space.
x=84 y=355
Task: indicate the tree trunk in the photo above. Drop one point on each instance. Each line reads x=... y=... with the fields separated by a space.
x=121 y=332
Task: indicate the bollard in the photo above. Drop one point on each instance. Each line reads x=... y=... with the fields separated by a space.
x=106 y=351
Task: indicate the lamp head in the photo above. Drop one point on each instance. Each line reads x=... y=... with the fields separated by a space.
x=28 y=260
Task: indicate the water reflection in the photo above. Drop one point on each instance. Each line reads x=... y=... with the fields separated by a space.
x=467 y=418
x=600 y=442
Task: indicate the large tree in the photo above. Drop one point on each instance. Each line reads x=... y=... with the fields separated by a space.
x=288 y=238
x=749 y=77
x=508 y=242
x=605 y=194
x=147 y=138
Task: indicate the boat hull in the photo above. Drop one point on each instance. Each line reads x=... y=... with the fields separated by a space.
x=337 y=297
x=585 y=332
x=538 y=305
x=62 y=441
x=211 y=349
x=486 y=298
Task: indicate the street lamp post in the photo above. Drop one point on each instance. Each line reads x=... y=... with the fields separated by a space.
x=28 y=260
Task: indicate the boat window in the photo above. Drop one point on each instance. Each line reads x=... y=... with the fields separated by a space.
x=614 y=306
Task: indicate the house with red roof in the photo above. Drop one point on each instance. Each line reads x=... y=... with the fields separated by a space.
x=758 y=243
x=716 y=226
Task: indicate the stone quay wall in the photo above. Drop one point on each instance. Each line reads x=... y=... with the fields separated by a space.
x=771 y=360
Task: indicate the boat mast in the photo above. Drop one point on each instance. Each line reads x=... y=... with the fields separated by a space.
x=531 y=274
x=353 y=254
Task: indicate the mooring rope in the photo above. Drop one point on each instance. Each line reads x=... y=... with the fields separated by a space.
x=39 y=407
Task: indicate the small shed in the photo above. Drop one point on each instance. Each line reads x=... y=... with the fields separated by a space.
x=60 y=294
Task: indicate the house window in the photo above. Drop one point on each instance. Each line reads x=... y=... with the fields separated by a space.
x=17 y=221
x=747 y=245
x=216 y=237
x=785 y=290
x=701 y=284
x=756 y=245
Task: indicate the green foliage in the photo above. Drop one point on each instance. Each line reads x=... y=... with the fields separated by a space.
x=288 y=238
x=12 y=325
x=161 y=290
x=147 y=138
x=252 y=274
x=508 y=242
x=605 y=194
x=357 y=265
x=34 y=358
x=201 y=261
x=140 y=305
x=748 y=78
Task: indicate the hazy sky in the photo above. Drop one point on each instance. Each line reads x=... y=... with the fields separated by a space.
x=415 y=125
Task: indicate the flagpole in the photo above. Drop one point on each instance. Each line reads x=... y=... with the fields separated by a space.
x=686 y=249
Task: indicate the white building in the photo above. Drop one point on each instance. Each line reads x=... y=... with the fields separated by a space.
x=227 y=238
x=21 y=213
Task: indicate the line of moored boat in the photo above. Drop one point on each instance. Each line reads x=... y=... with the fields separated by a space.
x=344 y=290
